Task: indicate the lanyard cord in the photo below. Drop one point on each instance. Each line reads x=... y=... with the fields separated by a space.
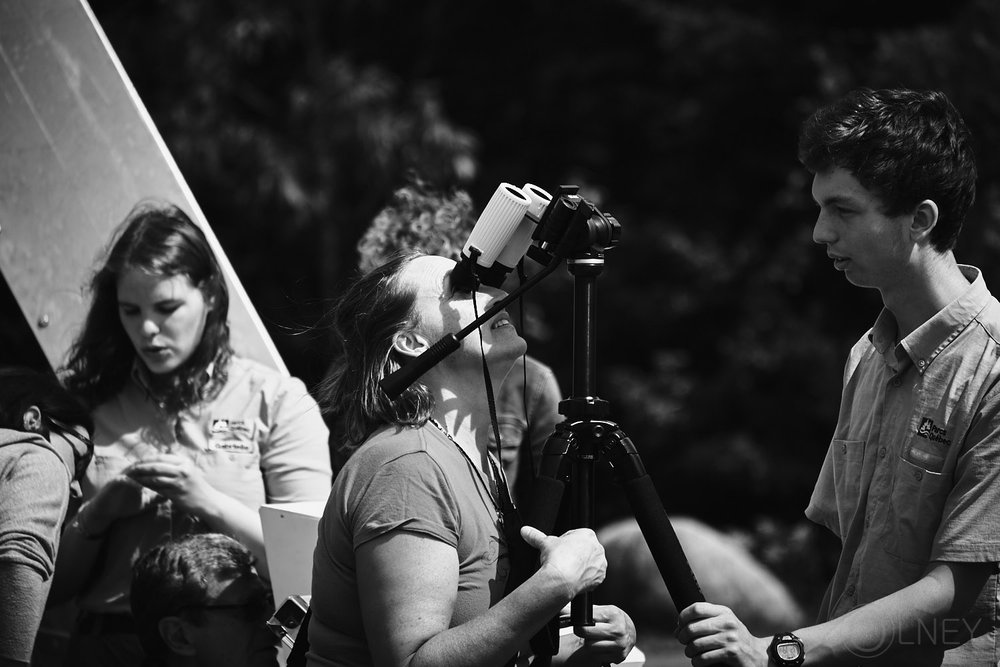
x=497 y=473
x=490 y=399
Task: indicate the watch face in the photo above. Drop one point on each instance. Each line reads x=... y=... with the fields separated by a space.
x=788 y=651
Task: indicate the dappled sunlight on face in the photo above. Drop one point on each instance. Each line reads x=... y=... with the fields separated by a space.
x=440 y=311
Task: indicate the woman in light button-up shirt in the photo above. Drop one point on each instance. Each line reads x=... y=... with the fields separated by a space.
x=188 y=437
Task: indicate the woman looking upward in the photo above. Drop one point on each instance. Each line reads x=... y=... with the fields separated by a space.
x=414 y=560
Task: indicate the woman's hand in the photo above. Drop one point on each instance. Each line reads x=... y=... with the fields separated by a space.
x=177 y=478
x=575 y=556
x=609 y=640
x=120 y=498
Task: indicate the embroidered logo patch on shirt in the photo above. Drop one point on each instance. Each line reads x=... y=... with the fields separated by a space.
x=231 y=435
x=928 y=430
x=929 y=453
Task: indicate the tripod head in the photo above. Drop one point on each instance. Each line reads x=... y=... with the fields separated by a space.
x=572 y=227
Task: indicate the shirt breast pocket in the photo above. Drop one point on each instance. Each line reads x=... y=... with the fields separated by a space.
x=926 y=455
x=915 y=506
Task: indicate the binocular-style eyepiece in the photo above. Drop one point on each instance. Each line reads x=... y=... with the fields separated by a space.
x=516 y=217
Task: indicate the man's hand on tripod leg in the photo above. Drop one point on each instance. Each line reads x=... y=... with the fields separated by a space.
x=712 y=635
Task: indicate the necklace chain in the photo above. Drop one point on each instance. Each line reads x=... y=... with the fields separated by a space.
x=496 y=471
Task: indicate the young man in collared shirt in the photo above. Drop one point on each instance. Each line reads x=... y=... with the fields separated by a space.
x=910 y=482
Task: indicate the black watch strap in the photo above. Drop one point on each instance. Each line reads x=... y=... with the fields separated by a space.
x=786 y=650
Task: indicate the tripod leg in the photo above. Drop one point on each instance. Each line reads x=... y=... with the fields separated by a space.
x=546 y=497
x=653 y=522
x=549 y=486
x=569 y=453
x=663 y=543
x=546 y=500
x=582 y=607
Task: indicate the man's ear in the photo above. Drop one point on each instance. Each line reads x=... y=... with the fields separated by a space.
x=176 y=635
x=409 y=343
x=924 y=219
x=32 y=419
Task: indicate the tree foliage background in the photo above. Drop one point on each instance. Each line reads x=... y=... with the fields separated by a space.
x=722 y=329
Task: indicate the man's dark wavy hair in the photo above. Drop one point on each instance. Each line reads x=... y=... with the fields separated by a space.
x=363 y=323
x=175 y=576
x=905 y=146
x=161 y=240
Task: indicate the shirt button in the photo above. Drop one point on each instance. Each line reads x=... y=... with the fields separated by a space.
x=849 y=591
x=896 y=382
x=881 y=452
x=921 y=364
x=918 y=475
x=843 y=449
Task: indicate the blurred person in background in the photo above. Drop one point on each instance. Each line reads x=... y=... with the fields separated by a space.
x=420 y=559
x=198 y=602
x=44 y=449
x=188 y=437
x=910 y=482
x=423 y=219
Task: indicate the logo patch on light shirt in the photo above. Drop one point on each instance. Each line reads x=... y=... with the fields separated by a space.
x=235 y=436
x=930 y=448
x=927 y=429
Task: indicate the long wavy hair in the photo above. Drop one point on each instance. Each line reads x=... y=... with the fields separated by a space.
x=363 y=323
x=161 y=240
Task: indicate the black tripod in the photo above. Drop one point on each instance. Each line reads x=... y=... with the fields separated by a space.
x=574 y=230
x=587 y=438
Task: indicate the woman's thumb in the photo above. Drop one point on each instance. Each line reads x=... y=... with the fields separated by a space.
x=533 y=536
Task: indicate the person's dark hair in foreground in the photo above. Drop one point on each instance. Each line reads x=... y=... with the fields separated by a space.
x=45 y=447
x=198 y=601
x=910 y=482
x=416 y=543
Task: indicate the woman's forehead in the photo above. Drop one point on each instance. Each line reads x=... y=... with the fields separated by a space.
x=135 y=282
x=428 y=275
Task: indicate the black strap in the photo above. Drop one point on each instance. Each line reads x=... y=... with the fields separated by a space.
x=523 y=559
x=297 y=657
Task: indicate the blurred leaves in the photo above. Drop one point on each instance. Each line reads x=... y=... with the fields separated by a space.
x=722 y=329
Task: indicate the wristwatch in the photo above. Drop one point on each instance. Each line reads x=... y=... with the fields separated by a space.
x=786 y=649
